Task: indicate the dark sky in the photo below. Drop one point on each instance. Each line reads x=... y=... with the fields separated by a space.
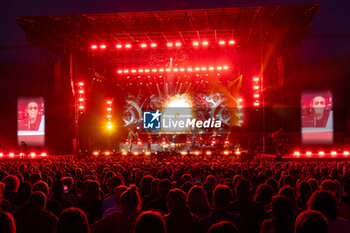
x=332 y=18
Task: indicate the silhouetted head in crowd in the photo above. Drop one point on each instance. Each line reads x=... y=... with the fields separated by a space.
x=222 y=196
x=164 y=187
x=242 y=189
x=197 y=199
x=331 y=185
x=145 y=186
x=114 y=182
x=2 y=188
x=11 y=184
x=92 y=191
x=177 y=201
x=304 y=189
x=118 y=192
x=73 y=220
x=150 y=221
x=7 y=223
x=41 y=186
x=223 y=227
x=130 y=200
x=264 y=193
x=37 y=201
x=324 y=202
x=23 y=193
x=311 y=221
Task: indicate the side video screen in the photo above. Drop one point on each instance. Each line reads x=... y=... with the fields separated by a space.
x=31 y=121
x=317 y=117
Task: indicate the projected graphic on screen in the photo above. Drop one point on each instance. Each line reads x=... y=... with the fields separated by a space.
x=31 y=121
x=317 y=117
x=199 y=106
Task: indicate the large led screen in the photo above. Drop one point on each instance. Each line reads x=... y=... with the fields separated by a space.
x=31 y=121
x=317 y=117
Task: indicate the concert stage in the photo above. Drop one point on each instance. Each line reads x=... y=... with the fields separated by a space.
x=174 y=81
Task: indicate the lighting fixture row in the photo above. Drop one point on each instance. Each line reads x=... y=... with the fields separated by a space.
x=153 y=45
x=173 y=70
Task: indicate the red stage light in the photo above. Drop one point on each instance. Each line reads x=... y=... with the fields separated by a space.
x=231 y=42
x=81 y=107
x=133 y=71
x=11 y=154
x=178 y=44
x=256 y=104
x=189 y=69
x=175 y=69
x=109 y=116
x=120 y=71
x=208 y=153
x=182 y=69
x=103 y=46
x=197 y=69
x=168 y=69
x=205 y=43
x=161 y=70
x=219 y=68
x=225 y=67
x=139 y=143
x=154 y=70
x=296 y=153
x=195 y=43
x=222 y=42
x=211 y=68
x=240 y=100
x=143 y=45
x=124 y=153
x=80 y=84
x=256 y=79
x=204 y=68
x=237 y=152
x=136 y=153
x=333 y=153
x=43 y=154
x=95 y=153
x=227 y=141
x=126 y=71
x=147 y=153
x=321 y=153
x=93 y=46
x=196 y=152
x=109 y=101
x=109 y=109
x=81 y=91
x=255 y=87
x=1 y=154
x=226 y=152
x=308 y=153
x=107 y=153
x=146 y=70
x=183 y=152
x=153 y=45
x=256 y=95
x=163 y=142
x=213 y=142
x=346 y=153
x=169 y=44
x=118 y=46
x=140 y=70
x=128 y=46
x=81 y=99
x=126 y=143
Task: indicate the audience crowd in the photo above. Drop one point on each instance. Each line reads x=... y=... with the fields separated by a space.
x=173 y=195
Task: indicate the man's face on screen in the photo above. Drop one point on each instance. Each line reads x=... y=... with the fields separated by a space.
x=318 y=104
x=33 y=110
